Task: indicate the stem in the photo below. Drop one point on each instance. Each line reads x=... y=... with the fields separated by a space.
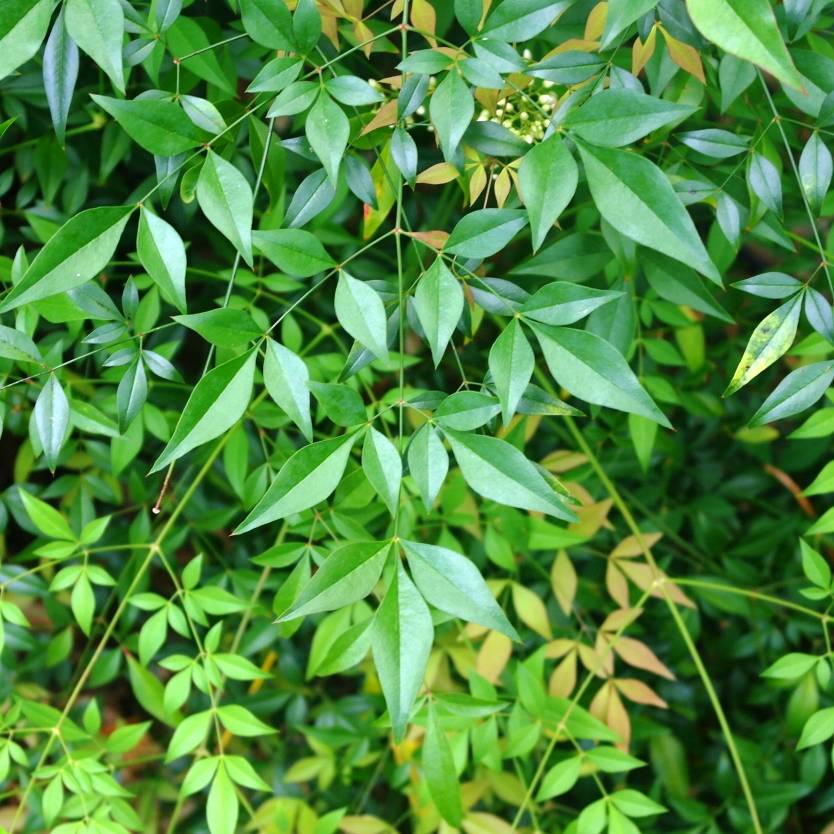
x=660 y=582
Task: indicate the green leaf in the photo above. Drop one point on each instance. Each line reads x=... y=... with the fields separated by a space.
x=191 y=733
x=23 y=25
x=799 y=390
x=131 y=394
x=438 y=301
x=293 y=251
x=46 y=518
x=240 y=721
x=548 y=176
x=511 y=363
x=591 y=369
x=451 y=108
x=428 y=463
x=439 y=769
x=560 y=778
x=621 y=14
x=613 y=118
x=818 y=728
x=748 y=30
x=51 y=420
x=217 y=402
x=222 y=805
x=770 y=285
x=636 y=804
x=466 y=410
x=637 y=199
x=162 y=254
x=340 y=402
x=306 y=25
x=484 y=232
x=791 y=666
x=520 y=20
x=83 y=603
x=401 y=640
x=77 y=252
x=765 y=182
x=680 y=285
x=226 y=200
x=815 y=170
x=451 y=582
x=18 y=346
x=497 y=470
x=564 y=303
x=353 y=91
x=328 y=130
x=814 y=566
x=348 y=574
x=613 y=760
x=60 y=71
x=157 y=125
x=98 y=27
x=361 y=312
x=287 y=380
x=383 y=467
x=307 y=478
x=770 y=340
x=268 y=22
x=223 y=326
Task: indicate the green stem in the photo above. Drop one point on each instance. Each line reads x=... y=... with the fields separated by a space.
x=678 y=620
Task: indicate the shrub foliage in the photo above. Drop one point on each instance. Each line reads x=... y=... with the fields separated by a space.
x=411 y=413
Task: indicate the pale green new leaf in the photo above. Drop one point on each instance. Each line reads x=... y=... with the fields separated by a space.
x=222 y=805
x=217 y=402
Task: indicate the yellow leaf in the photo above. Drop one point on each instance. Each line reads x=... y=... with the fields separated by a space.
x=616 y=584
x=531 y=610
x=685 y=56
x=494 y=655
x=383 y=174
x=640 y=656
x=385 y=117
x=563 y=581
x=502 y=188
x=640 y=692
x=563 y=679
x=438 y=174
x=477 y=183
x=595 y=23
x=641 y=52
x=478 y=822
x=363 y=824
x=630 y=546
x=424 y=19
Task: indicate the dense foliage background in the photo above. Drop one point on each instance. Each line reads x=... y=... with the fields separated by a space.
x=411 y=413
